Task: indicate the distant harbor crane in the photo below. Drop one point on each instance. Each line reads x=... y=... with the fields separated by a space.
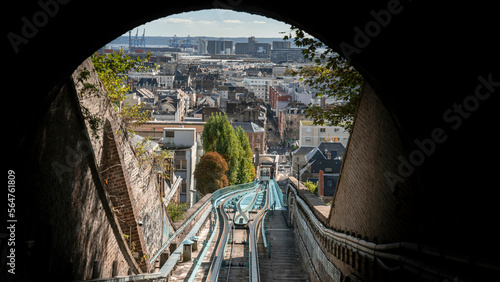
x=136 y=41
x=182 y=42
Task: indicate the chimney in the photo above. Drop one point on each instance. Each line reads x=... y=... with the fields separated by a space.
x=321 y=184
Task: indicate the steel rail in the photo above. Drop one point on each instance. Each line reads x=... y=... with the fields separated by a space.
x=254 y=257
x=230 y=256
x=213 y=273
x=219 y=252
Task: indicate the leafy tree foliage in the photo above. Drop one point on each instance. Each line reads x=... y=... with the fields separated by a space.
x=246 y=172
x=112 y=69
x=312 y=186
x=332 y=76
x=210 y=173
x=176 y=210
x=219 y=136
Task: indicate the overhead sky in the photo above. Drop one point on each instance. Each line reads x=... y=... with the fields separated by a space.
x=215 y=23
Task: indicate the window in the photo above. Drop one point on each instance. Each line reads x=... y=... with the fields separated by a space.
x=322 y=130
x=308 y=139
x=169 y=133
x=180 y=164
x=336 y=130
x=328 y=169
x=308 y=130
x=183 y=186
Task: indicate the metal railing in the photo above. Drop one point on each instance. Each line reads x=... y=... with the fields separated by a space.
x=177 y=232
x=373 y=251
x=172 y=261
x=235 y=189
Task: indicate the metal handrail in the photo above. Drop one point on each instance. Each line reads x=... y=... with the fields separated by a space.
x=376 y=251
x=254 y=257
x=241 y=188
x=162 y=248
x=168 y=266
x=204 y=251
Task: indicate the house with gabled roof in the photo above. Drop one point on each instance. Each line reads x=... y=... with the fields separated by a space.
x=320 y=164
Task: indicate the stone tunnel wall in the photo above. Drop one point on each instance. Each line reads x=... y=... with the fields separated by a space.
x=367 y=176
x=372 y=201
x=79 y=222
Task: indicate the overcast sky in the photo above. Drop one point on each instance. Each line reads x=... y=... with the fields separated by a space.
x=216 y=23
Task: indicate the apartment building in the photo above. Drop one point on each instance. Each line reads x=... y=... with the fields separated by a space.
x=312 y=135
x=259 y=86
x=279 y=97
x=182 y=141
x=289 y=122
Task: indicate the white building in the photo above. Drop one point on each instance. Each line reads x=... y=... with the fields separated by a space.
x=312 y=135
x=300 y=92
x=259 y=86
x=183 y=142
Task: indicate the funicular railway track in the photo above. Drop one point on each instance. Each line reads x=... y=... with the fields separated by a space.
x=237 y=212
x=236 y=255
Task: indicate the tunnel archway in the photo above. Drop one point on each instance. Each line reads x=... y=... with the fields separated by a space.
x=426 y=64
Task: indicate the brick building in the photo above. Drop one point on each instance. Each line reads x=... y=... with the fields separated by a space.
x=278 y=97
x=289 y=122
x=256 y=134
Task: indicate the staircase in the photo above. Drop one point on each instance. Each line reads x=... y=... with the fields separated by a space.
x=285 y=263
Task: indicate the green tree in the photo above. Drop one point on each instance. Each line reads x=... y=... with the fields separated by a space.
x=332 y=76
x=210 y=173
x=246 y=172
x=112 y=70
x=219 y=136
